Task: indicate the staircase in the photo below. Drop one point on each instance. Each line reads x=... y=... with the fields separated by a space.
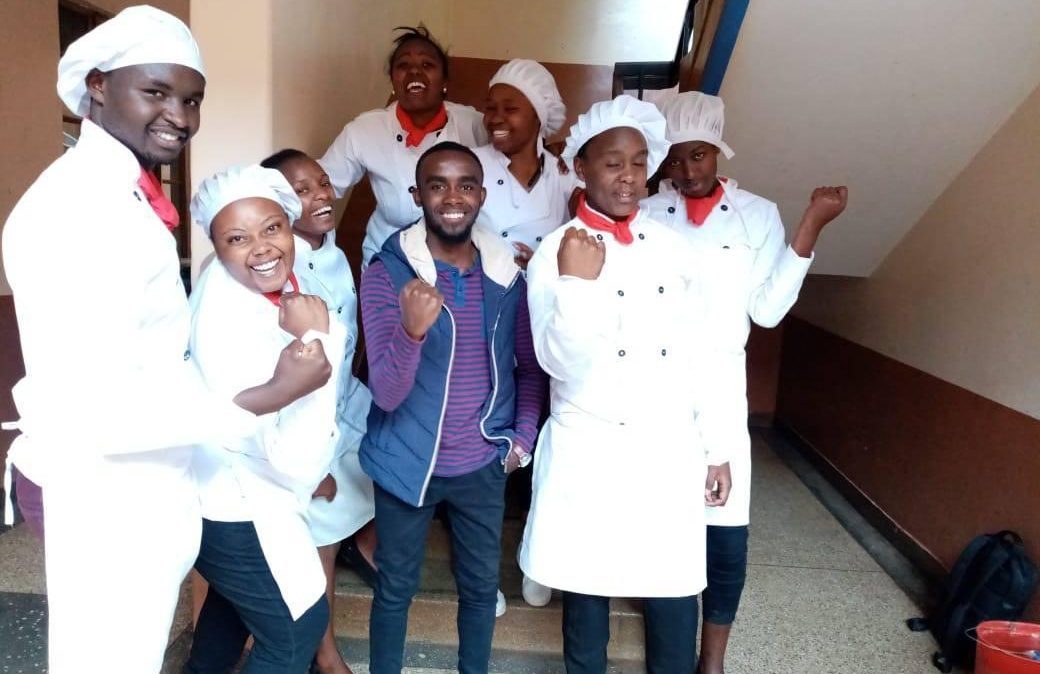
x=527 y=639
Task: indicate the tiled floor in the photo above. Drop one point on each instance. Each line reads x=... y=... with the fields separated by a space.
x=815 y=601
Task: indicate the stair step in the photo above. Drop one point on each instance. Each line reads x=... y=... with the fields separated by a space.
x=523 y=629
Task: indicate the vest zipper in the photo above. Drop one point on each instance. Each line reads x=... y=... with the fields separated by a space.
x=444 y=409
x=494 y=376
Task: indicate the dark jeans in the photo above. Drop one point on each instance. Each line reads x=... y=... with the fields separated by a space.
x=474 y=505
x=244 y=599
x=727 y=571
x=670 y=624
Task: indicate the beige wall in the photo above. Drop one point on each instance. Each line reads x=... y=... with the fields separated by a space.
x=892 y=97
x=959 y=297
x=31 y=133
x=590 y=32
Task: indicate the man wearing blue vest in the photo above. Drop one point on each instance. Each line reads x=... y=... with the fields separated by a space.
x=457 y=395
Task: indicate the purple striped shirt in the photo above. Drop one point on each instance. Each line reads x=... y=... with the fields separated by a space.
x=393 y=359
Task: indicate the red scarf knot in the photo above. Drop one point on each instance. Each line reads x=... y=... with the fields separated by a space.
x=619 y=228
x=158 y=200
x=699 y=208
x=275 y=296
x=417 y=133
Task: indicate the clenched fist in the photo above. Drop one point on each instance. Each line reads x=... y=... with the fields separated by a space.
x=420 y=305
x=301 y=369
x=299 y=313
x=580 y=255
x=825 y=204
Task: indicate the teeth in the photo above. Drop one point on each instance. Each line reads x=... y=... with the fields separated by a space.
x=265 y=267
x=499 y=134
x=163 y=135
x=416 y=86
x=452 y=216
x=322 y=211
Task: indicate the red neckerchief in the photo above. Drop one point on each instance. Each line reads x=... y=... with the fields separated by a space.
x=157 y=199
x=619 y=228
x=417 y=133
x=698 y=209
x=275 y=297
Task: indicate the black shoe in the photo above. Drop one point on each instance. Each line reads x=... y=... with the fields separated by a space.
x=350 y=556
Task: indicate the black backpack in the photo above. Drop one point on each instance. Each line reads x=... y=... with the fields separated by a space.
x=993 y=579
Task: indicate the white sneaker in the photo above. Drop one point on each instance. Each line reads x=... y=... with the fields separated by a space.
x=500 y=605
x=535 y=593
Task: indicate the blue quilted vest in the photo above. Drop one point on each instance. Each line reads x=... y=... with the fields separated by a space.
x=400 y=448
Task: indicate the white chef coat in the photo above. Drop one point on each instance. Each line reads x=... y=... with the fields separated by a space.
x=269 y=477
x=374 y=143
x=326 y=273
x=513 y=212
x=628 y=438
x=110 y=405
x=749 y=275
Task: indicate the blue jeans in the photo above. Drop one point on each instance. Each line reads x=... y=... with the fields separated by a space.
x=727 y=571
x=474 y=504
x=244 y=599
x=670 y=624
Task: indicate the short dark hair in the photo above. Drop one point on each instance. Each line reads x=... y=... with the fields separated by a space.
x=422 y=34
x=283 y=157
x=447 y=146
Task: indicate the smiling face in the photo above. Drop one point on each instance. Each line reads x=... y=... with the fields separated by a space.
x=312 y=185
x=254 y=242
x=417 y=75
x=692 y=167
x=152 y=109
x=510 y=119
x=450 y=193
x=613 y=166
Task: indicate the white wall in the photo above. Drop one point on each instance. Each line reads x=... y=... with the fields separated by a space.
x=892 y=97
x=591 y=32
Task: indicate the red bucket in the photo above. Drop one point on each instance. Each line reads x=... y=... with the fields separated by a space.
x=1006 y=648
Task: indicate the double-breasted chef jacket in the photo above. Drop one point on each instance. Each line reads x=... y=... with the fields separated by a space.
x=749 y=275
x=374 y=143
x=515 y=213
x=325 y=272
x=110 y=405
x=269 y=477
x=630 y=433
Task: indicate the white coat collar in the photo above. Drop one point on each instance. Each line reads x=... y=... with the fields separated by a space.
x=99 y=146
x=495 y=259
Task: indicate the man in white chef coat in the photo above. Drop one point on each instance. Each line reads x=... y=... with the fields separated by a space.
x=111 y=402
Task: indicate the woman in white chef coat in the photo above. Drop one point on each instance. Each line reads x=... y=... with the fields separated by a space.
x=386 y=143
x=343 y=504
x=527 y=192
x=625 y=449
x=751 y=275
x=263 y=570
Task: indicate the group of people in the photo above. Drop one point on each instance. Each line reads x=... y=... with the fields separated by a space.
x=516 y=307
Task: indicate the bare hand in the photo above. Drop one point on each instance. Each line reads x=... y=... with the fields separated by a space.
x=326 y=488
x=717 y=485
x=299 y=313
x=580 y=255
x=301 y=369
x=513 y=459
x=523 y=254
x=826 y=203
x=420 y=306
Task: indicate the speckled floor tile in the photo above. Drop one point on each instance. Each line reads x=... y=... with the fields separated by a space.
x=21 y=562
x=23 y=633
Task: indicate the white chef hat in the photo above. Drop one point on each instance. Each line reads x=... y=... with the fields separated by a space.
x=243 y=182
x=538 y=86
x=621 y=111
x=136 y=36
x=693 y=115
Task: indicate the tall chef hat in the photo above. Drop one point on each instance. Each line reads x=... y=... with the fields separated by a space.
x=538 y=86
x=623 y=111
x=243 y=182
x=135 y=36
x=693 y=115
